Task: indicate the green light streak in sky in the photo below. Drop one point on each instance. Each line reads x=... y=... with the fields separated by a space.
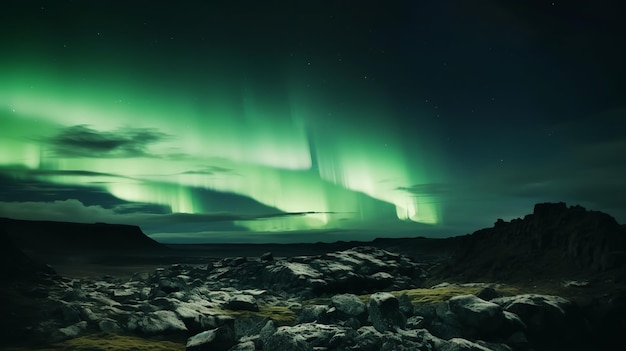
x=271 y=146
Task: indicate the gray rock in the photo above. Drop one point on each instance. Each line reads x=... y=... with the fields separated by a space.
x=415 y=322
x=368 y=339
x=551 y=321
x=458 y=344
x=218 y=339
x=349 y=304
x=474 y=312
x=241 y=302
x=494 y=346
x=244 y=346
x=169 y=286
x=70 y=332
x=308 y=336
x=267 y=257
x=156 y=323
x=69 y=313
x=384 y=312
x=314 y=313
x=87 y=314
x=406 y=305
x=249 y=325
x=267 y=331
x=409 y=340
x=108 y=325
x=487 y=293
x=283 y=340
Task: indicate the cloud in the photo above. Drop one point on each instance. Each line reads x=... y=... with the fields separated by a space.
x=67 y=210
x=82 y=141
x=427 y=189
x=23 y=171
x=150 y=218
x=210 y=170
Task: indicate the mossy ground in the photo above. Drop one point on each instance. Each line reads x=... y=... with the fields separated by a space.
x=110 y=342
x=283 y=315
x=425 y=296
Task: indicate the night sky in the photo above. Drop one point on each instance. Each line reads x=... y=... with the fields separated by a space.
x=304 y=121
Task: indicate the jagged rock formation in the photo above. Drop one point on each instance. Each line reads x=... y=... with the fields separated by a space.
x=360 y=269
x=192 y=301
x=552 y=240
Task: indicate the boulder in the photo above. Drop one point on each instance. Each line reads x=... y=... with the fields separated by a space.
x=108 y=325
x=369 y=339
x=477 y=313
x=552 y=322
x=244 y=346
x=313 y=335
x=283 y=340
x=241 y=302
x=470 y=317
x=458 y=344
x=350 y=305
x=314 y=313
x=156 y=323
x=384 y=312
x=70 y=332
x=246 y=326
x=218 y=339
x=267 y=257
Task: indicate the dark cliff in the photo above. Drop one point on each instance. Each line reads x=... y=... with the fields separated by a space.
x=48 y=237
x=553 y=239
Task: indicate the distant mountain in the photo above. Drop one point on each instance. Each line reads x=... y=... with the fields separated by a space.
x=48 y=237
x=552 y=241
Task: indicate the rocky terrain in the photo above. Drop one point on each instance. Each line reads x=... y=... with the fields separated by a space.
x=551 y=281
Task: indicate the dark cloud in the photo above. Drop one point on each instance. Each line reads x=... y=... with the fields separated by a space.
x=81 y=141
x=227 y=217
x=427 y=189
x=151 y=218
x=19 y=185
x=210 y=170
x=133 y=207
x=23 y=171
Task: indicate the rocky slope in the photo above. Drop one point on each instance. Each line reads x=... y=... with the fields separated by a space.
x=554 y=240
x=16 y=265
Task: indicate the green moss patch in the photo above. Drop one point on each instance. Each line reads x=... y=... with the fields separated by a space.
x=110 y=342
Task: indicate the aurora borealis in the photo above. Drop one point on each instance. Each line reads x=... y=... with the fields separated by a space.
x=239 y=121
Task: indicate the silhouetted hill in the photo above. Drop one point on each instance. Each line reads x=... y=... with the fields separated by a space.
x=16 y=265
x=48 y=237
x=555 y=240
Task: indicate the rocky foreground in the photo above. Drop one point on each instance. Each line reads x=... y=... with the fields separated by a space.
x=363 y=298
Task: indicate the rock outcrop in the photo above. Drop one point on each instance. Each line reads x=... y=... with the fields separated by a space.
x=552 y=240
x=360 y=269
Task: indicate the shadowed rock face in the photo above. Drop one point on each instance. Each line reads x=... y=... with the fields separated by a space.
x=16 y=265
x=554 y=238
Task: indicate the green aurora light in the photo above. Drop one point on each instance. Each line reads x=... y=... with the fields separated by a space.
x=277 y=146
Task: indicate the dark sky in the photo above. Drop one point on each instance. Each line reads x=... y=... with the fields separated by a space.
x=309 y=120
